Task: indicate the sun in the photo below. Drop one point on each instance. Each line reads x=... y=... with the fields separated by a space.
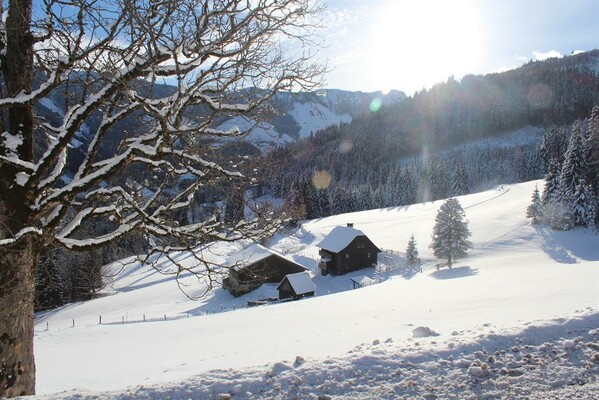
x=425 y=41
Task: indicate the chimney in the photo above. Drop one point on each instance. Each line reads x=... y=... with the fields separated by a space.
x=350 y=224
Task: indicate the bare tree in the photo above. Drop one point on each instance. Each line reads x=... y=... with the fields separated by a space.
x=102 y=63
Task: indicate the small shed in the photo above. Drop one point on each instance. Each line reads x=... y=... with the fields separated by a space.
x=346 y=249
x=255 y=265
x=362 y=281
x=296 y=286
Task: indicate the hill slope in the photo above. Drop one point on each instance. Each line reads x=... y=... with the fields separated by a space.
x=521 y=285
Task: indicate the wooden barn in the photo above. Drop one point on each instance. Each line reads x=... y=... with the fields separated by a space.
x=255 y=265
x=296 y=286
x=346 y=249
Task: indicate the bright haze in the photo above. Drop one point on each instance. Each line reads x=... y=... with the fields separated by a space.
x=413 y=44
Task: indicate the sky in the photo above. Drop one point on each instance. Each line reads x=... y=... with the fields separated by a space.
x=412 y=44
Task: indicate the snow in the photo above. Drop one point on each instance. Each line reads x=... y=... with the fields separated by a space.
x=517 y=318
x=301 y=282
x=252 y=254
x=30 y=230
x=248 y=256
x=261 y=134
x=22 y=178
x=363 y=281
x=313 y=117
x=11 y=142
x=50 y=105
x=339 y=238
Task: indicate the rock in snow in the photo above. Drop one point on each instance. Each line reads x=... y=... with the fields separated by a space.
x=423 y=331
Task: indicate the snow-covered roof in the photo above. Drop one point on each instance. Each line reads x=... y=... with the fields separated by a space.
x=339 y=238
x=301 y=282
x=251 y=255
x=363 y=280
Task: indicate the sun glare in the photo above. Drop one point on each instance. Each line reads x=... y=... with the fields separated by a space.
x=425 y=41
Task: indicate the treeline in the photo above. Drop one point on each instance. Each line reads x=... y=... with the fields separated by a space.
x=571 y=193
x=65 y=276
x=313 y=193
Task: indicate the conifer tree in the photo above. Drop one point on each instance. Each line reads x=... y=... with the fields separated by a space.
x=555 y=212
x=438 y=180
x=535 y=209
x=338 y=201
x=294 y=204
x=412 y=251
x=592 y=150
x=322 y=203
x=551 y=192
x=450 y=233
x=575 y=191
x=460 y=183
x=49 y=286
x=308 y=194
x=575 y=164
x=234 y=207
x=583 y=206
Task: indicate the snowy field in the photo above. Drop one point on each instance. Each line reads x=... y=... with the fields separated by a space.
x=517 y=318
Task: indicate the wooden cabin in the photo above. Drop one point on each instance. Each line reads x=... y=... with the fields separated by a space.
x=296 y=286
x=346 y=249
x=255 y=265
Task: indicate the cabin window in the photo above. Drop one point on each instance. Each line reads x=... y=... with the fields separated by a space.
x=346 y=256
x=368 y=255
x=361 y=245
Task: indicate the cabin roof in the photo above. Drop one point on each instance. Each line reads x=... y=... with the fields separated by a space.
x=363 y=280
x=339 y=238
x=251 y=255
x=301 y=282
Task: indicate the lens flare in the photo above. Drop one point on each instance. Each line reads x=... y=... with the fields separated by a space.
x=321 y=179
x=375 y=104
x=345 y=146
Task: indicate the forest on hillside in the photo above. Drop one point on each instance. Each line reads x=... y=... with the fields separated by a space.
x=423 y=148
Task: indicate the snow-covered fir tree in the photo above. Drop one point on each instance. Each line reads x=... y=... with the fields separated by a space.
x=575 y=191
x=412 y=251
x=49 y=286
x=557 y=215
x=592 y=150
x=555 y=212
x=552 y=189
x=583 y=206
x=450 y=233
x=535 y=209
x=575 y=163
x=234 y=207
x=460 y=184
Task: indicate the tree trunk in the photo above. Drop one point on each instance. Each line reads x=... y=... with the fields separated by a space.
x=17 y=290
x=18 y=261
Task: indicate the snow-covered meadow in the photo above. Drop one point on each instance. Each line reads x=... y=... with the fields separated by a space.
x=518 y=317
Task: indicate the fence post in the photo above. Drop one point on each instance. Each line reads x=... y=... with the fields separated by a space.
x=47 y=326
x=165 y=317
x=144 y=317
x=122 y=320
x=73 y=322
x=100 y=320
x=187 y=314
